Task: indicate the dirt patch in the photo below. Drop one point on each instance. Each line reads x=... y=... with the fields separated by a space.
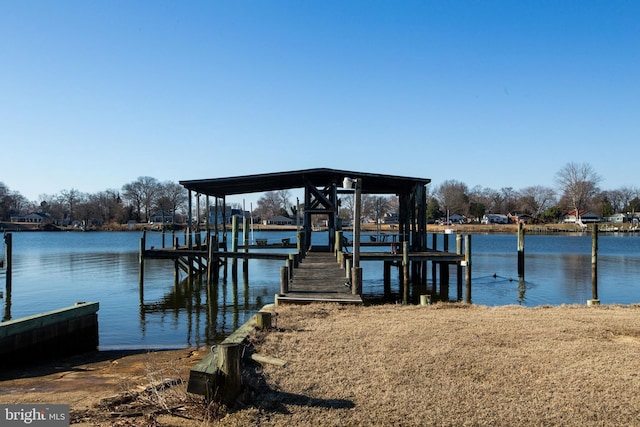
x=112 y=387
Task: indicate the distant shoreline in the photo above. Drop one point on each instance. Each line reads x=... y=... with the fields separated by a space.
x=369 y=228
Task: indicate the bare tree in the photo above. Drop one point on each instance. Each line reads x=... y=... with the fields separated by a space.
x=11 y=202
x=141 y=193
x=171 y=197
x=107 y=205
x=453 y=196
x=285 y=199
x=69 y=199
x=346 y=206
x=579 y=183
x=269 y=205
x=535 y=200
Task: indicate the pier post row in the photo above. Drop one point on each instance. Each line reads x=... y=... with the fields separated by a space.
x=407 y=251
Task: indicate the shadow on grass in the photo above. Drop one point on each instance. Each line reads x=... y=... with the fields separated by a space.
x=277 y=401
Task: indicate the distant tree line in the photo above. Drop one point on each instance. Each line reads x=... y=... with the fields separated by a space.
x=136 y=201
x=577 y=189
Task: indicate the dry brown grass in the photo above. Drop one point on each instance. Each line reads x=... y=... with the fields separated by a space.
x=449 y=365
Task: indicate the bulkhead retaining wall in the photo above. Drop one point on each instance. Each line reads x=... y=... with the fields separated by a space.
x=44 y=336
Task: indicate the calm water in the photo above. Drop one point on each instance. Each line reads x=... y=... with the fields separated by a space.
x=54 y=270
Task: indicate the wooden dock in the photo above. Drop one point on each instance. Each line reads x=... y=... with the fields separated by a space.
x=319 y=278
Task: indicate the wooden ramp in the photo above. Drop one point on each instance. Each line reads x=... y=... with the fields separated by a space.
x=319 y=278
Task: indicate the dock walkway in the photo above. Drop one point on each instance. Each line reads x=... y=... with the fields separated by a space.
x=319 y=278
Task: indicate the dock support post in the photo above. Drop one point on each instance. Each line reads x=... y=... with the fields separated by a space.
x=175 y=241
x=263 y=320
x=405 y=272
x=387 y=279
x=434 y=245
x=212 y=262
x=143 y=244
x=8 y=255
x=520 y=251
x=229 y=369
x=356 y=281
x=290 y=267
x=347 y=267
x=467 y=263
x=337 y=246
x=234 y=242
x=444 y=272
x=459 y=267
x=245 y=243
x=284 y=280
x=594 y=267
x=300 y=243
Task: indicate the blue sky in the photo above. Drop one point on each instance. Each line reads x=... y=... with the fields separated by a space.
x=94 y=94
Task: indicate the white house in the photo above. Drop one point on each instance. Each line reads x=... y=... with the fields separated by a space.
x=161 y=217
x=570 y=217
x=495 y=219
x=279 y=220
x=36 y=218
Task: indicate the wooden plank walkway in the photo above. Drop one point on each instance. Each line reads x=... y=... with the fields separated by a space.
x=319 y=278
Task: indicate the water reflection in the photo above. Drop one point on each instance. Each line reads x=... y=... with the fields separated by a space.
x=208 y=307
x=54 y=270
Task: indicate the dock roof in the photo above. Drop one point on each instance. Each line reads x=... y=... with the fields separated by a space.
x=371 y=183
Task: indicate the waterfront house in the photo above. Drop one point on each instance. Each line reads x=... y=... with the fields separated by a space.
x=161 y=217
x=584 y=216
x=34 y=218
x=279 y=220
x=495 y=219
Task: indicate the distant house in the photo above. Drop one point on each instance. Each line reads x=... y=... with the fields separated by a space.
x=161 y=217
x=279 y=220
x=390 y=218
x=457 y=219
x=616 y=218
x=495 y=219
x=520 y=217
x=34 y=218
x=583 y=216
x=226 y=217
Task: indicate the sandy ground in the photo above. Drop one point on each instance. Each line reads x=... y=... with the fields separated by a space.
x=391 y=365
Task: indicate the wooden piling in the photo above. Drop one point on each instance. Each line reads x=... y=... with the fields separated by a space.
x=8 y=261
x=405 y=272
x=387 y=279
x=290 y=267
x=467 y=263
x=143 y=244
x=356 y=280
x=444 y=272
x=229 y=371
x=176 y=262
x=459 y=267
x=594 y=267
x=300 y=243
x=212 y=260
x=234 y=243
x=520 y=251
x=263 y=320
x=434 y=267
x=284 y=280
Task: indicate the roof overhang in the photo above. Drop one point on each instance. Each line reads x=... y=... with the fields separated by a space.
x=371 y=183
